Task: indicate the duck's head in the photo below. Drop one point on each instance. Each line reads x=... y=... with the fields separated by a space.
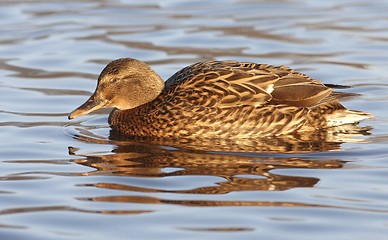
x=124 y=84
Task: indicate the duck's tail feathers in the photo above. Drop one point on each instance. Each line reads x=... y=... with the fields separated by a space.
x=343 y=117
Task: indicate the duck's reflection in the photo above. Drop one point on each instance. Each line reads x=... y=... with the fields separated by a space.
x=235 y=172
x=306 y=142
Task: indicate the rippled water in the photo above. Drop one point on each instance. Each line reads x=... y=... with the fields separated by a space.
x=68 y=180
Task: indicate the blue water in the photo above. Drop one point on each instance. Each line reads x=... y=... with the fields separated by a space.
x=68 y=180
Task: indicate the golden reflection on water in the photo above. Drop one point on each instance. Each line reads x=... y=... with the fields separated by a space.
x=238 y=173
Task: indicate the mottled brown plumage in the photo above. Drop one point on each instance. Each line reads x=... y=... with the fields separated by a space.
x=215 y=99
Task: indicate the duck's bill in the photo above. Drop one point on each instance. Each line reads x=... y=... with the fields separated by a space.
x=89 y=106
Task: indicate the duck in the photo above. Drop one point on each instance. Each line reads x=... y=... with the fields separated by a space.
x=216 y=100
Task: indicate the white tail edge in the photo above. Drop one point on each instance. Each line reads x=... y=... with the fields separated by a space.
x=346 y=117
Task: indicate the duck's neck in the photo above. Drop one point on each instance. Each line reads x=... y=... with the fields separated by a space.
x=129 y=123
x=138 y=121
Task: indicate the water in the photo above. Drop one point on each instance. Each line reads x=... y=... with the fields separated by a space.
x=62 y=180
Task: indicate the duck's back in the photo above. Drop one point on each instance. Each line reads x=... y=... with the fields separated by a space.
x=231 y=99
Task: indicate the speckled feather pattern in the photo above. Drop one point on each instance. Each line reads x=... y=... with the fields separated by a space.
x=230 y=99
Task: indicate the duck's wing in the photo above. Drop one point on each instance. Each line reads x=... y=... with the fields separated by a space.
x=297 y=89
x=234 y=84
x=222 y=84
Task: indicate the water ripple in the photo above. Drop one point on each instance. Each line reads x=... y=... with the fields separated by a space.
x=78 y=180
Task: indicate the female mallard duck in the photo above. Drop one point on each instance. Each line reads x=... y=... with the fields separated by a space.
x=215 y=99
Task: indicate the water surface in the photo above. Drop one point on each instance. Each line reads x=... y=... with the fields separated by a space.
x=72 y=180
